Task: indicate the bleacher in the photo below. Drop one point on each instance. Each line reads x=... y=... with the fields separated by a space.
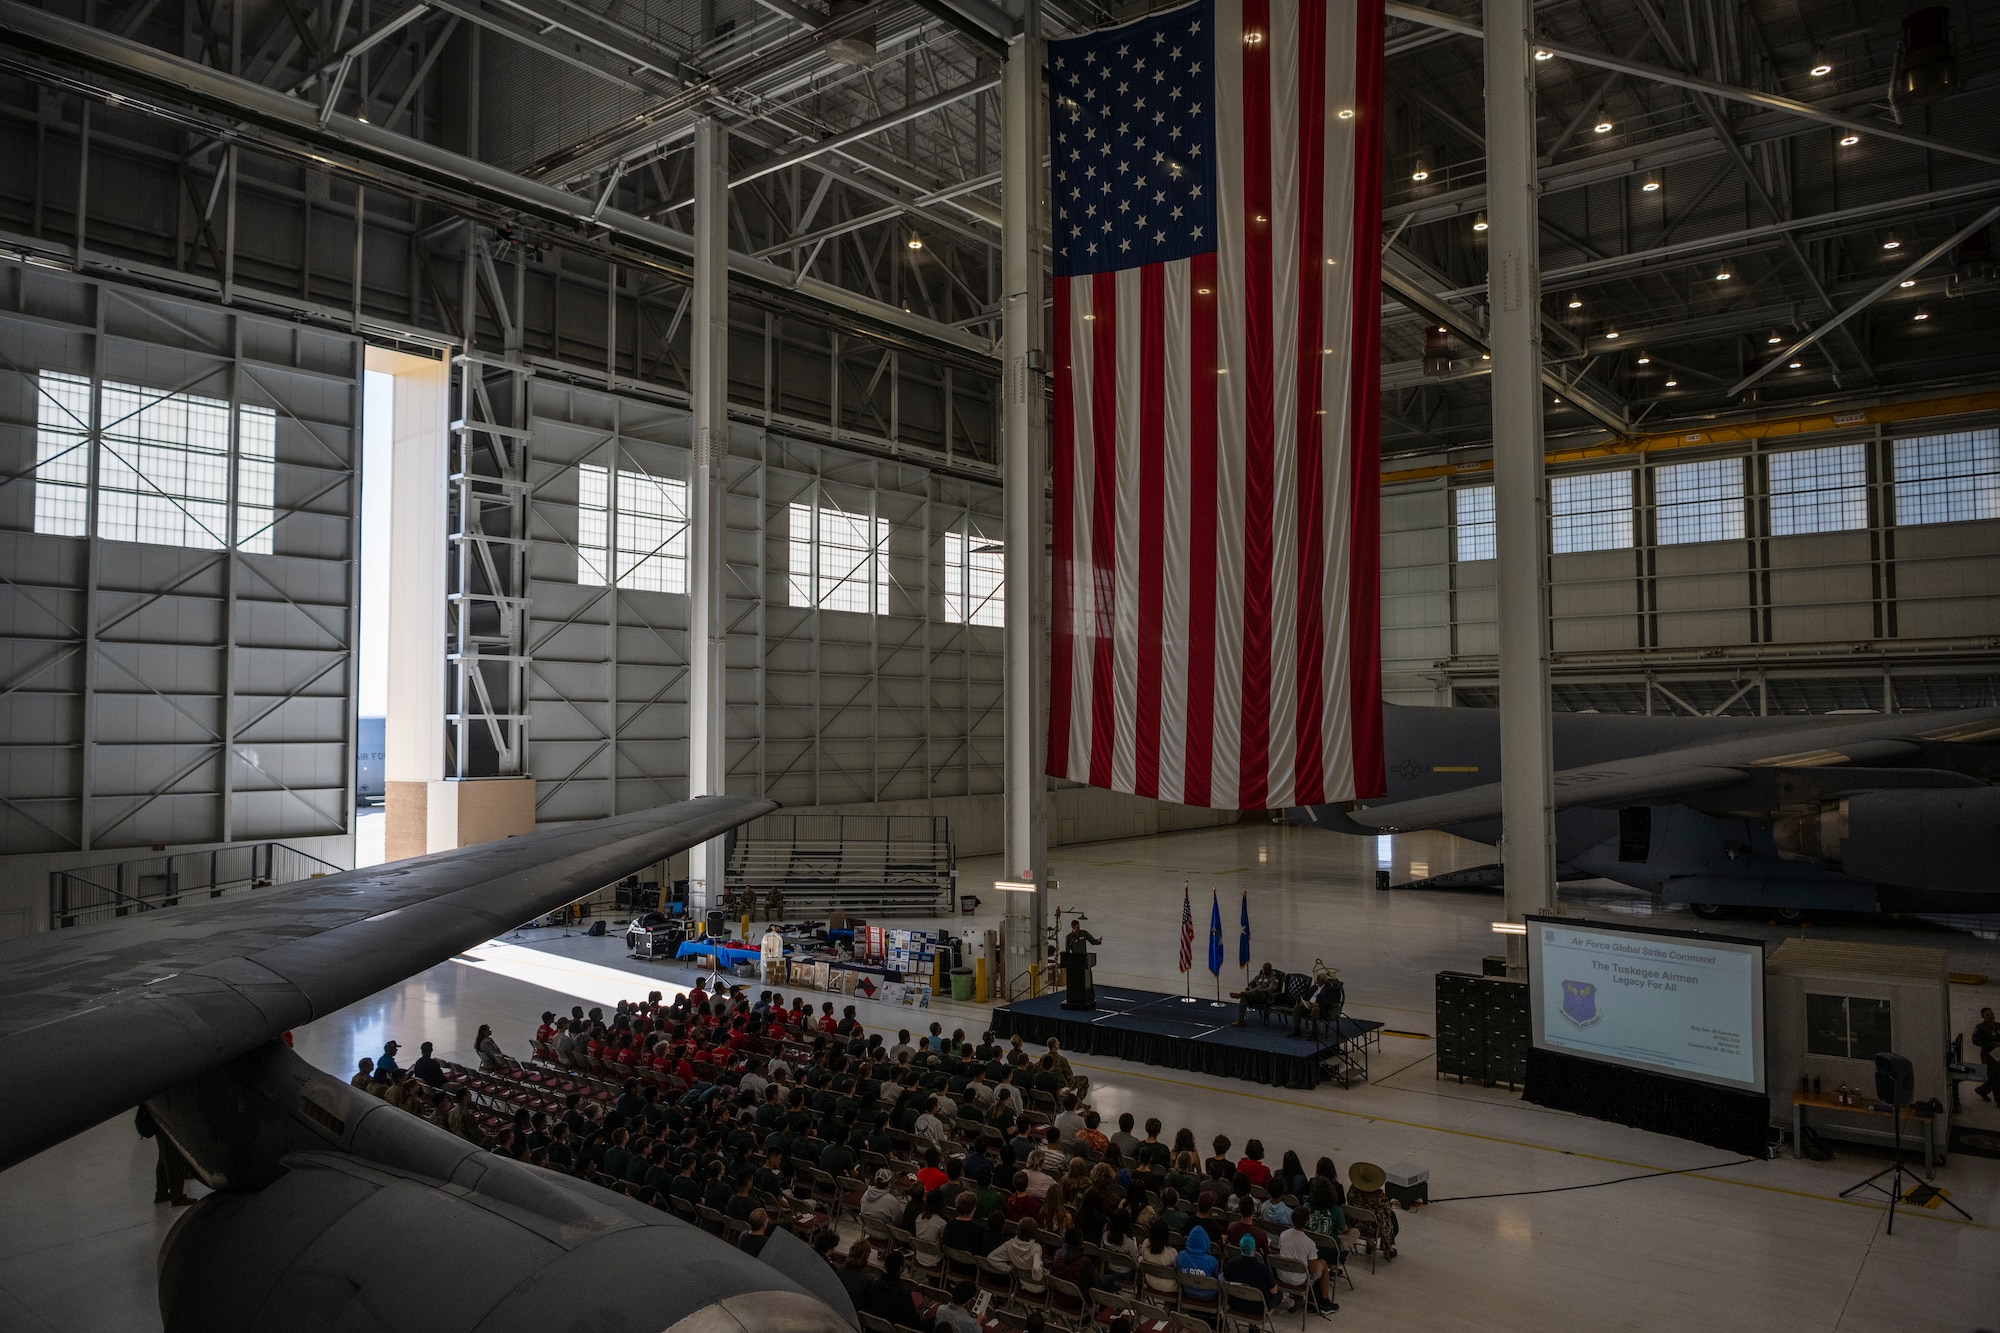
x=869 y=865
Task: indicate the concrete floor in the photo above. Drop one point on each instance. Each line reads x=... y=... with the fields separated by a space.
x=1765 y=1245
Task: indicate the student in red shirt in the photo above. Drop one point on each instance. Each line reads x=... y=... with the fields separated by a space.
x=1252 y=1164
x=827 y=1023
x=546 y=1033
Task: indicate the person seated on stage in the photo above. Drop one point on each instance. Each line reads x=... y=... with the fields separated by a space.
x=1321 y=1003
x=1265 y=989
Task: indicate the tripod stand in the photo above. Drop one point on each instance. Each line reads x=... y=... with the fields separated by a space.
x=1894 y=1189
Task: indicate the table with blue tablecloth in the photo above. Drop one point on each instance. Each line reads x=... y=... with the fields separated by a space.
x=730 y=954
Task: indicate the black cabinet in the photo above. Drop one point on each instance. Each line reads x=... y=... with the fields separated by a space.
x=1483 y=1028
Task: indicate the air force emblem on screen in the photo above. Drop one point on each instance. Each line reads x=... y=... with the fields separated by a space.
x=1580 y=1003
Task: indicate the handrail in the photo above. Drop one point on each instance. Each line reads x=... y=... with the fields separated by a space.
x=80 y=894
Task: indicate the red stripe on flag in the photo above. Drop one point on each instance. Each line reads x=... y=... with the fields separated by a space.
x=1200 y=645
x=1152 y=519
x=1062 y=636
x=1103 y=519
x=1364 y=583
x=1309 y=786
x=1258 y=427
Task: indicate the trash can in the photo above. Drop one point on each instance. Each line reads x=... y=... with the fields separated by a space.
x=968 y=903
x=961 y=983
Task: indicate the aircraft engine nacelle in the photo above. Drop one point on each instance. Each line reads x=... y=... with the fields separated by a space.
x=337 y=1211
x=341 y=1243
x=1945 y=840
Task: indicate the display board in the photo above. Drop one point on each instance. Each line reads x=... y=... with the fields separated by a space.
x=1684 y=1003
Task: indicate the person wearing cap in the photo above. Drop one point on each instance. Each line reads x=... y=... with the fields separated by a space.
x=1245 y=1268
x=1365 y=1195
x=386 y=1068
x=881 y=1201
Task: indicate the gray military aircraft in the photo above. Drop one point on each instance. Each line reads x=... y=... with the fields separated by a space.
x=333 y=1210
x=1894 y=813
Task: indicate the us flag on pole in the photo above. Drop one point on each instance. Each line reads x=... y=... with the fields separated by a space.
x=1187 y=931
x=1215 y=205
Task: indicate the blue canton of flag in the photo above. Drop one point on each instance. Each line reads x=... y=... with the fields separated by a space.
x=1133 y=114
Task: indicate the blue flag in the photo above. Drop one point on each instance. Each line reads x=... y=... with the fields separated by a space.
x=1243 y=941
x=1214 y=933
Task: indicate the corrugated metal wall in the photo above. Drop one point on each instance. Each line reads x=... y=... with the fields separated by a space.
x=156 y=694
x=1900 y=599
x=825 y=706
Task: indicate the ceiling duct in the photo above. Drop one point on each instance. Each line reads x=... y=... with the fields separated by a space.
x=856 y=47
x=1929 y=71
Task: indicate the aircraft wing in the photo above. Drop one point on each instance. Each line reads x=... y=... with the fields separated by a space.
x=95 y=1019
x=1668 y=774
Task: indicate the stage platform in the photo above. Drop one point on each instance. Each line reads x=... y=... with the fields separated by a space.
x=1197 y=1034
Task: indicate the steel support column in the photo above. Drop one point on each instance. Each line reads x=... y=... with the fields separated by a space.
x=708 y=383
x=1521 y=522
x=1024 y=430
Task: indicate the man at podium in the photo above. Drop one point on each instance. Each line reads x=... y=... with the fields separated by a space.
x=1077 y=962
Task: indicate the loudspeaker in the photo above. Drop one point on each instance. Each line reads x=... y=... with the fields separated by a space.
x=1895 y=1080
x=597 y=927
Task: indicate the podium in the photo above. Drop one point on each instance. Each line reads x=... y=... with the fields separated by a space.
x=1080 y=986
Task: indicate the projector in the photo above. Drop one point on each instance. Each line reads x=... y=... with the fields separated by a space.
x=1406 y=1184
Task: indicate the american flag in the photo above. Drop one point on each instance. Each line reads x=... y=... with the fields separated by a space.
x=1216 y=204
x=1187 y=931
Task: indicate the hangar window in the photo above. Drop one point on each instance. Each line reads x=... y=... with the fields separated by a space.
x=163 y=465
x=1948 y=478
x=1472 y=520
x=651 y=519
x=1698 y=502
x=837 y=559
x=1591 y=512
x=1848 y=1027
x=975 y=574
x=1819 y=490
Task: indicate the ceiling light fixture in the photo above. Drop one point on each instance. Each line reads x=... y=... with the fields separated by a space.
x=1907 y=282
x=915 y=242
x=1650 y=186
x=1849 y=139
x=1797 y=364
x=1602 y=127
x=1420 y=174
x=1892 y=244
x=1540 y=54
x=1821 y=66
x=1575 y=301
x=1611 y=335
x=1253 y=38
x=1921 y=315
x=1347 y=113
x=1775 y=338
x=1510 y=928
x=1672 y=383
x=1479 y=223
x=1723 y=275
x=1645 y=358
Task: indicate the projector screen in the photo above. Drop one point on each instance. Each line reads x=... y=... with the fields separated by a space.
x=1670 y=1002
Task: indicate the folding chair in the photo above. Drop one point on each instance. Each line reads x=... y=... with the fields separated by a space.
x=1200 y=1295
x=1241 y=1293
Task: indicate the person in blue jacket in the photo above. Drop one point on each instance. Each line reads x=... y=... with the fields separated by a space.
x=1194 y=1256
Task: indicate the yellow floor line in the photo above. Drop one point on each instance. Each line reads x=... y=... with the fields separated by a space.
x=1523 y=1143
